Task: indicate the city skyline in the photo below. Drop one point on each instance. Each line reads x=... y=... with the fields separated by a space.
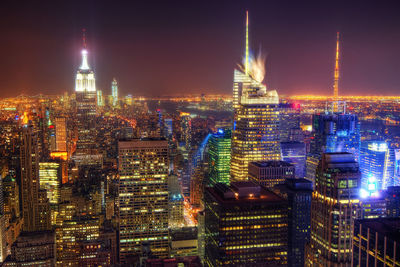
x=124 y=43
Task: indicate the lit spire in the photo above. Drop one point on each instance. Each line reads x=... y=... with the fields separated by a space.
x=336 y=81
x=84 y=65
x=246 y=62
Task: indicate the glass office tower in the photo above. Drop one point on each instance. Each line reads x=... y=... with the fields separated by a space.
x=219 y=151
x=255 y=135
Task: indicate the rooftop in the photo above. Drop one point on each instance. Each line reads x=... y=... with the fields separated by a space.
x=244 y=192
x=271 y=163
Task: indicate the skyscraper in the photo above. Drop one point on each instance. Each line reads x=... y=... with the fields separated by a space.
x=335 y=133
x=289 y=120
x=295 y=153
x=334 y=207
x=85 y=90
x=61 y=134
x=219 y=151
x=297 y=192
x=332 y=132
x=376 y=165
x=114 y=92
x=29 y=178
x=255 y=135
x=143 y=197
x=245 y=224
x=100 y=98
x=392 y=198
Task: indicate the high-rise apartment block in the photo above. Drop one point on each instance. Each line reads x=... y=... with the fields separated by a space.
x=143 y=197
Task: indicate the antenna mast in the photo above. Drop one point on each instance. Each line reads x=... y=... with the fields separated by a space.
x=246 y=63
x=84 y=38
x=336 y=81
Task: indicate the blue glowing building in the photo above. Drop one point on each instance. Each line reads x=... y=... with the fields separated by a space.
x=377 y=165
x=334 y=132
x=295 y=153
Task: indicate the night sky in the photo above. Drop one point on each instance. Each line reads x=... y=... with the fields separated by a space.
x=173 y=47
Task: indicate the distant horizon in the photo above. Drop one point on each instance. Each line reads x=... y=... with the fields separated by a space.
x=178 y=47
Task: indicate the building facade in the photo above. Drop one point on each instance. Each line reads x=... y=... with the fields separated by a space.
x=376 y=242
x=245 y=224
x=334 y=207
x=298 y=193
x=295 y=153
x=270 y=173
x=376 y=165
x=86 y=102
x=219 y=151
x=143 y=197
x=255 y=135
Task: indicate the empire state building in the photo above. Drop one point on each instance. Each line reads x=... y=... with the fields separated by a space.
x=85 y=81
x=85 y=89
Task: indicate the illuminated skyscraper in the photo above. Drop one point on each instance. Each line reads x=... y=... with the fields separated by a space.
x=334 y=207
x=186 y=130
x=332 y=132
x=143 y=197
x=100 y=98
x=114 y=92
x=255 y=135
x=85 y=81
x=61 y=134
x=376 y=165
x=219 y=151
x=335 y=133
x=50 y=175
x=245 y=224
x=176 y=202
x=86 y=95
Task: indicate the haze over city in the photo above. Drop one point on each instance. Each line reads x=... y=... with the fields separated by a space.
x=174 y=47
x=200 y=134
